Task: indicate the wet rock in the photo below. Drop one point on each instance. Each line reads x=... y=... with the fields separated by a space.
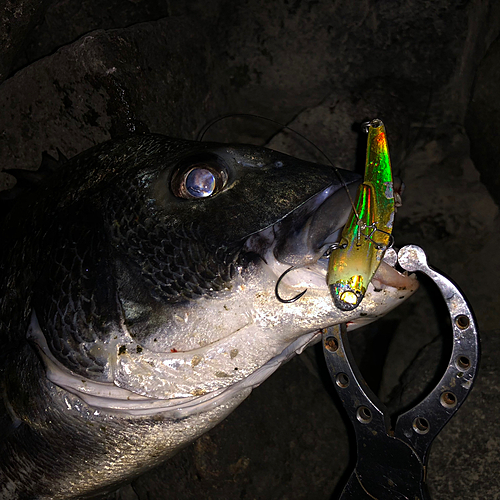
x=17 y=20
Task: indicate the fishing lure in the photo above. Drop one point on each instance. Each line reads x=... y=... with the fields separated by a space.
x=368 y=232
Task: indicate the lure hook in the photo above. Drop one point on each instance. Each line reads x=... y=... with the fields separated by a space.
x=375 y=229
x=276 y=289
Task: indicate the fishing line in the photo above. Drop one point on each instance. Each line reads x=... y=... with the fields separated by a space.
x=212 y=122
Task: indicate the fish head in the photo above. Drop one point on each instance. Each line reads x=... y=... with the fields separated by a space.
x=197 y=236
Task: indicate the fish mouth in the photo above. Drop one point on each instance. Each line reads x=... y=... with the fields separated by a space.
x=303 y=240
x=122 y=399
x=302 y=237
x=271 y=331
x=116 y=399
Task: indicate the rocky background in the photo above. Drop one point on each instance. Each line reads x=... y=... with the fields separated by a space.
x=78 y=72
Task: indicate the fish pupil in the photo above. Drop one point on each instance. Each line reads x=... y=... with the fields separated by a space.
x=200 y=183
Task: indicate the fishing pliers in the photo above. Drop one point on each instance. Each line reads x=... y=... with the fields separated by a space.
x=392 y=460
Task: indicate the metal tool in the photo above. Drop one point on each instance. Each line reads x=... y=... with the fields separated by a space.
x=391 y=462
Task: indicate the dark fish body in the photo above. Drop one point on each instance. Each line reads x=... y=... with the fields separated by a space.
x=137 y=302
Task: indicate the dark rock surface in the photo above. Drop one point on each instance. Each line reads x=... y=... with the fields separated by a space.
x=88 y=91
x=482 y=121
x=95 y=69
x=465 y=455
x=18 y=18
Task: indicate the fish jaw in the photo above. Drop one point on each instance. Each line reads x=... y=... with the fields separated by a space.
x=217 y=341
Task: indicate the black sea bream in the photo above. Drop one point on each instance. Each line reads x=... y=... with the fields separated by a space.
x=138 y=302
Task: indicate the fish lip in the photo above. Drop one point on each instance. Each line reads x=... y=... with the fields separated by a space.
x=303 y=235
x=387 y=275
x=316 y=226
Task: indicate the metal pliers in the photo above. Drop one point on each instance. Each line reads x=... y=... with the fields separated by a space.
x=391 y=461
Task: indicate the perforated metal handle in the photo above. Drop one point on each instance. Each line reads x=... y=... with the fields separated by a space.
x=391 y=463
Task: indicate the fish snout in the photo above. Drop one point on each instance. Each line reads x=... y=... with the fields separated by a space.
x=304 y=235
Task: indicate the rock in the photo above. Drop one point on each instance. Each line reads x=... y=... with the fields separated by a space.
x=106 y=84
x=482 y=121
x=17 y=20
x=465 y=456
x=447 y=211
x=90 y=15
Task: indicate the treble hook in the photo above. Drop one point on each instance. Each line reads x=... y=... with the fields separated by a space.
x=276 y=291
x=374 y=229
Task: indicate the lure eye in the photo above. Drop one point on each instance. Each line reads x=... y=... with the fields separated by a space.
x=202 y=179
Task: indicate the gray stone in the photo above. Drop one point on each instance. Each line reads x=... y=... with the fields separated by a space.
x=450 y=214
x=108 y=83
x=482 y=120
x=90 y=15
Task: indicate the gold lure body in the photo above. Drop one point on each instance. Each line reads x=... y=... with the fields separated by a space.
x=368 y=232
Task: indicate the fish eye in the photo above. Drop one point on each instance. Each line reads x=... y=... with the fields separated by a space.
x=200 y=182
x=201 y=179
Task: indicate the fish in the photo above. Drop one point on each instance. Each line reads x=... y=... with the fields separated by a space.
x=138 y=304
